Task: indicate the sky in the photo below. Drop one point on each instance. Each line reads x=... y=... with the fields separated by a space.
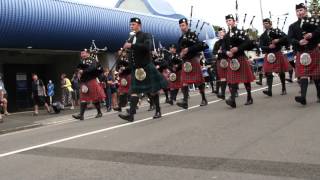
x=214 y=11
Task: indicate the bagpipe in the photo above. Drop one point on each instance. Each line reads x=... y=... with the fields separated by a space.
x=191 y=37
x=94 y=50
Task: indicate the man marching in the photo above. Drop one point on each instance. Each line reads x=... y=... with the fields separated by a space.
x=145 y=77
x=190 y=48
x=304 y=36
x=239 y=70
x=271 y=42
x=221 y=64
x=91 y=91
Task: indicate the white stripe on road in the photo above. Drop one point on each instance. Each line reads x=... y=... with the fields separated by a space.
x=108 y=129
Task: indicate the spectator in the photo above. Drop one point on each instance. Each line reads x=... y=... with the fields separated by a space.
x=3 y=99
x=66 y=91
x=107 y=79
x=50 y=88
x=39 y=94
x=75 y=81
x=114 y=89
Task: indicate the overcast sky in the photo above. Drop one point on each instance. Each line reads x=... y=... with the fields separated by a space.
x=214 y=11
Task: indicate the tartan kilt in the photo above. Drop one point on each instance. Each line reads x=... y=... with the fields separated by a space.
x=177 y=83
x=280 y=65
x=95 y=92
x=153 y=82
x=312 y=70
x=243 y=75
x=222 y=72
x=124 y=89
x=195 y=76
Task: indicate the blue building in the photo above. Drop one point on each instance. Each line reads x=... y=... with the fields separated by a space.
x=45 y=36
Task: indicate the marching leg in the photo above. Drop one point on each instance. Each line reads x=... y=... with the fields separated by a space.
x=283 y=83
x=222 y=95
x=184 y=102
x=157 y=104
x=231 y=101
x=204 y=101
x=304 y=86
x=129 y=115
x=269 y=83
x=97 y=105
x=83 y=106
x=249 y=97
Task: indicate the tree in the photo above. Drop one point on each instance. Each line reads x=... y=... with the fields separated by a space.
x=314 y=8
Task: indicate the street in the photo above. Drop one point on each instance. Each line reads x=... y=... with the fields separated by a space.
x=273 y=139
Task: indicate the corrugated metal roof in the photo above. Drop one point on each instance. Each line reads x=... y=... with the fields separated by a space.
x=57 y=24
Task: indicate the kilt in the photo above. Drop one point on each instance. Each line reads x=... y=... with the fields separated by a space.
x=153 y=82
x=222 y=72
x=177 y=83
x=124 y=89
x=95 y=92
x=280 y=65
x=195 y=76
x=312 y=70
x=243 y=75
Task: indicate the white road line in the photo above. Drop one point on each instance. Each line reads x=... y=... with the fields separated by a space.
x=108 y=129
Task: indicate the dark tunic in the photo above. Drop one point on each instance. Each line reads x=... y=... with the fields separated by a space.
x=175 y=66
x=194 y=48
x=221 y=71
x=140 y=57
x=295 y=34
x=281 y=64
x=91 y=70
x=238 y=38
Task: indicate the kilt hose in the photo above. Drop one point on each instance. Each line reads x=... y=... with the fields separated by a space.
x=95 y=92
x=222 y=72
x=280 y=65
x=177 y=83
x=313 y=69
x=153 y=82
x=124 y=89
x=195 y=76
x=243 y=75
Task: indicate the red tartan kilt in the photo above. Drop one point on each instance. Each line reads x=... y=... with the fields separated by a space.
x=95 y=93
x=280 y=65
x=243 y=75
x=195 y=76
x=313 y=70
x=124 y=89
x=177 y=83
x=222 y=72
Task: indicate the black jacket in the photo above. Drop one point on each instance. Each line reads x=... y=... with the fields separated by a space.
x=91 y=69
x=265 y=41
x=295 y=34
x=194 y=48
x=236 y=38
x=140 y=52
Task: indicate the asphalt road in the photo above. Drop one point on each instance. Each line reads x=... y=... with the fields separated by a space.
x=274 y=139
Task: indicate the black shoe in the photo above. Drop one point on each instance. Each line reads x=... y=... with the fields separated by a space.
x=99 y=115
x=259 y=83
x=183 y=104
x=127 y=117
x=151 y=108
x=301 y=100
x=283 y=92
x=171 y=102
x=167 y=101
x=78 y=117
x=231 y=103
x=289 y=80
x=249 y=102
x=221 y=96
x=157 y=115
x=204 y=103
x=109 y=109
x=268 y=93
x=119 y=109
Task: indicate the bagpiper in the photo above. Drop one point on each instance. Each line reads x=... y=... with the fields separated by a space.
x=271 y=42
x=221 y=64
x=123 y=67
x=175 y=66
x=90 y=88
x=190 y=48
x=304 y=35
x=145 y=77
x=239 y=70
